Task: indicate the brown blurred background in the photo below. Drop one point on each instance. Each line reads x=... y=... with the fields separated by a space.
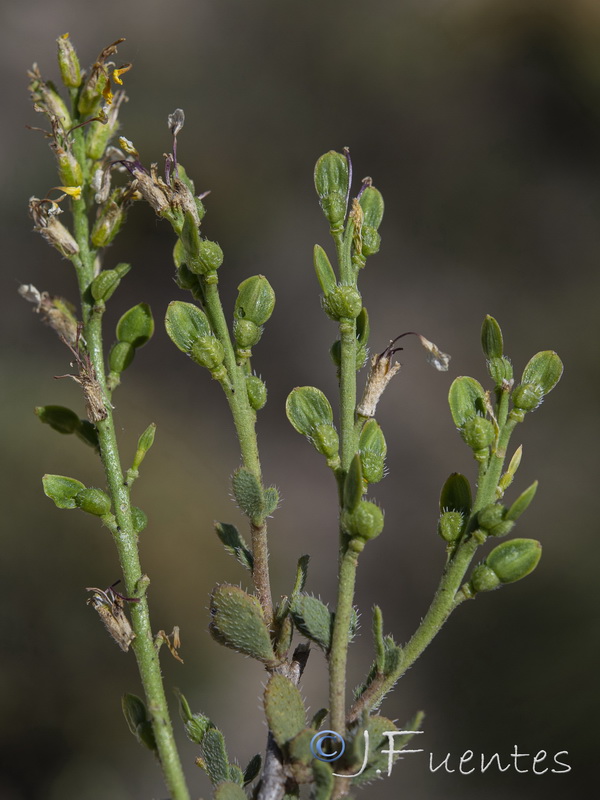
x=480 y=123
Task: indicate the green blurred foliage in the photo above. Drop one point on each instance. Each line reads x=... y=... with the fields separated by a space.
x=480 y=122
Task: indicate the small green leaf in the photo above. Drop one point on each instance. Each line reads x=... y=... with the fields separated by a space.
x=59 y=418
x=466 y=399
x=284 y=709
x=144 y=444
x=521 y=503
x=313 y=619
x=324 y=270
x=195 y=725
x=120 y=356
x=378 y=761
x=271 y=501
x=236 y=775
x=139 y=519
x=371 y=201
x=136 y=326
x=378 y=638
x=253 y=769
x=248 y=493
x=93 y=501
x=543 y=370
x=138 y=720
x=234 y=543
x=105 y=284
x=324 y=781
x=88 y=433
x=185 y=324
x=301 y=577
x=491 y=338
x=307 y=408
x=215 y=757
x=62 y=490
x=238 y=623
x=353 y=485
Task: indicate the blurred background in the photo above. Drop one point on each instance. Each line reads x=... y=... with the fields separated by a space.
x=480 y=123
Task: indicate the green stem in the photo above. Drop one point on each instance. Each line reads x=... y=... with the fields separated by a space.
x=244 y=420
x=339 y=641
x=124 y=535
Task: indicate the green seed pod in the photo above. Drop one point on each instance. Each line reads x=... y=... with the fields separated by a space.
x=59 y=418
x=450 y=525
x=343 y=302
x=69 y=169
x=108 y=223
x=284 y=709
x=371 y=241
x=466 y=399
x=238 y=622
x=544 y=370
x=207 y=351
x=307 y=408
x=326 y=440
x=324 y=270
x=491 y=338
x=456 y=494
x=484 y=579
x=371 y=201
x=514 y=559
x=373 y=449
x=70 y=70
x=257 y=392
x=522 y=502
x=185 y=324
x=478 y=433
x=139 y=519
x=527 y=396
x=120 y=357
x=365 y=522
x=246 y=333
x=105 y=284
x=136 y=326
x=255 y=301
x=502 y=528
x=209 y=259
x=93 y=501
x=373 y=467
x=62 y=490
x=332 y=177
x=500 y=370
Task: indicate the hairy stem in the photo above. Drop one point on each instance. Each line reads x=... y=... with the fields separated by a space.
x=124 y=535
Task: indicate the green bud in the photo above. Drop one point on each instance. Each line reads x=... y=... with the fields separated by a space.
x=500 y=370
x=136 y=326
x=522 y=502
x=371 y=202
x=324 y=270
x=491 y=338
x=450 y=525
x=62 y=490
x=326 y=440
x=105 y=284
x=353 y=485
x=59 y=418
x=139 y=519
x=506 y=480
x=373 y=467
x=514 y=559
x=120 y=356
x=527 y=396
x=47 y=99
x=69 y=169
x=365 y=522
x=307 y=408
x=257 y=392
x=209 y=259
x=331 y=182
x=185 y=324
x=490 y=516
x=343 y=302
x=196 y=725
x=70 y=70
x=91 y=96
x=144 y=444
x=246 y=333
x=207 y=351
x=478 y=433
x=108 y=223
x=371 y=241
x=255 y=300
x=334 y=207
x=372 y=448
x=543 y=370
x=466 y=399
x=94 y=501
x=484 y=579
x=456 y=494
